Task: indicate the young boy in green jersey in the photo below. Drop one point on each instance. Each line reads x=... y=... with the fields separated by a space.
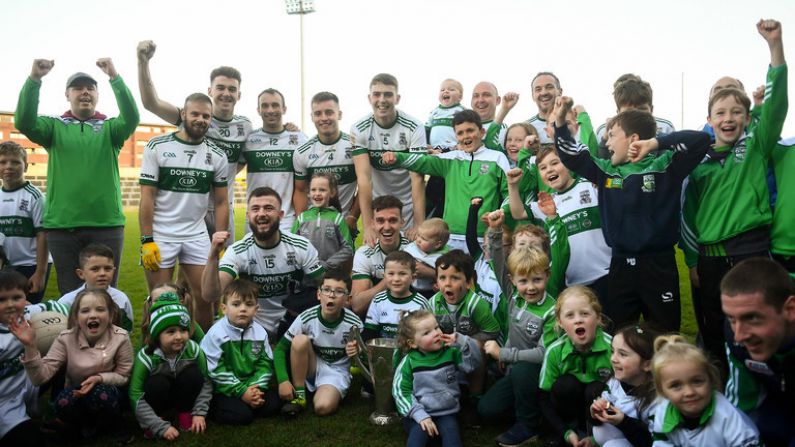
x=459 y=309
x=531 y=328
x=239 y=359
x=384 y=312
x=319 y=356
x=471 y=171
x=21 y=213
x=726 y=211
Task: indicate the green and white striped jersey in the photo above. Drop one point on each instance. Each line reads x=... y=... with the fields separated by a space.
x=440 y=122
x=184 y=174
x=278 y=271
x=328 y=337
x=269 y=159
x=406 y=134
x=384 y=312
x=335 y=158
x=230 y=136
x=21 y=213
x=368 y=262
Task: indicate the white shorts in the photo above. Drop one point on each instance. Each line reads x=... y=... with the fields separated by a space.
x=187 y=253
x=325 y=374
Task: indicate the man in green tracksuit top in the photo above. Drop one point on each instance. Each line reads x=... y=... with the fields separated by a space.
x=472 y=171
x=83 y=187
x=726 y=212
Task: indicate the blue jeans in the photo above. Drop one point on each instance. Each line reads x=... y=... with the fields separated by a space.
x=446 y=425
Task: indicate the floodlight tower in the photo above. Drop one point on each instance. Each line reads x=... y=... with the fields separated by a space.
x=301 y=8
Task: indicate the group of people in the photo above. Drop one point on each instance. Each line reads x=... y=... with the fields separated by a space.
x=502 y=278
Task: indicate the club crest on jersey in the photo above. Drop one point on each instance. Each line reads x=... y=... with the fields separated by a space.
x=402 y=141
x=240 y=130
x=23 y=205
x=208 y=160
x=465 y=325
x=293 y=140
x=739 y=151
x=256 y=347
x=484 y=169
x=604 y=373
x=585 y=197
x=532 y=328
x=291 y=259
x=648 y=183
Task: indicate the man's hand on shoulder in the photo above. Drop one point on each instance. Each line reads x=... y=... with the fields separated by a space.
x=106 y=65
x=40 y=68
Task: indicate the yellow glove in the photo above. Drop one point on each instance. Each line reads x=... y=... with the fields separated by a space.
x=150 y=256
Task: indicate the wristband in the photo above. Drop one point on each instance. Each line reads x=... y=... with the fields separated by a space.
x=147 y=239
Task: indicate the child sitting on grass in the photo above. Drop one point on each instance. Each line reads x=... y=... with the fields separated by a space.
x=239 y=359
x=424 y=387
x=319 y=356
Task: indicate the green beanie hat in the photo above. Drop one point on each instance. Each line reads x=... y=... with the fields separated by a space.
x=165 y=312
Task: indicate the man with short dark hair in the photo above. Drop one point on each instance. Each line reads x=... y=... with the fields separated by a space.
x=178 y=172
x=83 y=202
x=758 y=299
x=284 y=266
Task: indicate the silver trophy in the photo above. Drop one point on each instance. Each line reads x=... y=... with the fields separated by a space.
x=379 y=353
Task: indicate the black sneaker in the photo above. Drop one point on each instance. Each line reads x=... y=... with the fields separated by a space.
x=518 y=435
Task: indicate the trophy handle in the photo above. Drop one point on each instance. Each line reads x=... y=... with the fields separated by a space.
x=355 y=335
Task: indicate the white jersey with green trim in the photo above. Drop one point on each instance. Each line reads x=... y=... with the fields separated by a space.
x=384 y=312
x=664 y=127
x=440 y=121
x=21 y=212
x=184 y=174
x=540 y=124
x=230 y=136
x=328 y=337
x=64 y=303
x=335 y=158
x=578 y=208
x=269 y=159
x=368 y=262
x=406 y=134
x=278 y=271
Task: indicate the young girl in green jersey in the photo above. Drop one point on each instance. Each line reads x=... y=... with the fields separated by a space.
x=170 y=374
x=576 y=366
x=621 y=415
x=425 y=386
x=694 y=412
x=324 y=225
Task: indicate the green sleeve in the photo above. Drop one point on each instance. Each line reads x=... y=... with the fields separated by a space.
x=423 y=164
x=61 y=308
x=263 y=371
x=403 y=387
x=528 y=185
x=201 y=361
x=550 y=334
x=296 y=224
x=198 y=333
x=482 y=316
x=742 y=389
x=550 y=369
x=688 y=240
x=280 y=360
x=37 y=129
x=139 y=374
x=560 y=252
x=502 y=317
x=125 y=124
x=587 y=134
x=492 y=138
x=345 y=232
x=774 y=110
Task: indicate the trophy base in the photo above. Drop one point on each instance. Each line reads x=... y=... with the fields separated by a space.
x=383 y=418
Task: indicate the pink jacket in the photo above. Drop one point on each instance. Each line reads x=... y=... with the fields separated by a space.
x=111 y=357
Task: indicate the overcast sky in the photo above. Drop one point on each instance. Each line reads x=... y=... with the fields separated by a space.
x=681 y=47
